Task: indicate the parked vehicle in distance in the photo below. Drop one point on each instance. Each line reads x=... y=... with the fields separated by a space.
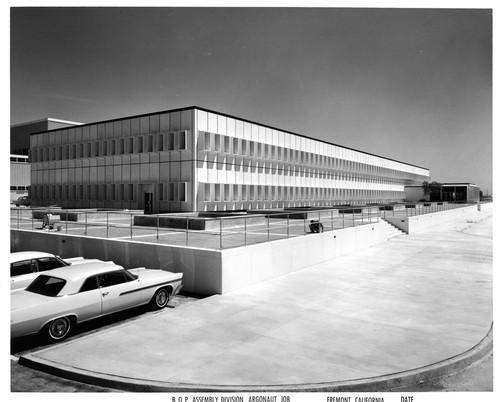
x=24 y=200
x=62 y=298
x=25 y=266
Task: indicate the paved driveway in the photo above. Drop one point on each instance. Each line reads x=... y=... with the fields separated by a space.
x=404 y=304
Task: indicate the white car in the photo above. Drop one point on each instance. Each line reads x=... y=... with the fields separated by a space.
x=57 y=300
x=25 y=266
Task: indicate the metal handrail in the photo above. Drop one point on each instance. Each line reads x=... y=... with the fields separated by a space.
x=277 y=225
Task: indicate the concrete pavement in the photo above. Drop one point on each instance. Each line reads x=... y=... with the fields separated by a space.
x=415 y=305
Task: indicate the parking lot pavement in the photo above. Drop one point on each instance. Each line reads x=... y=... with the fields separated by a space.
x=25 y=379
x=402 y=305
x=33 y=343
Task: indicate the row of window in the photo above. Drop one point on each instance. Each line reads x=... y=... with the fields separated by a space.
x=212 y=192
x=121 y=146
x=280 y=169
x=299 y=171
x=106 y=192
x=145 y=125
x=234 y=192
x=19 y=188
x=237 y=146
x=93 y=192
x=302 y=171
x=19 y=159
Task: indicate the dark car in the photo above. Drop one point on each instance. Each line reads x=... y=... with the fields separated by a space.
x=23 y=201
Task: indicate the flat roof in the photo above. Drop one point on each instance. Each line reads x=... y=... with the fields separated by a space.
x=459 y=184
x=449 y=184
x=237 y=118
x=74 y=123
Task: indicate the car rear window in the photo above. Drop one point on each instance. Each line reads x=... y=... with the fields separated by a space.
x=46 y=285
x=89 y=284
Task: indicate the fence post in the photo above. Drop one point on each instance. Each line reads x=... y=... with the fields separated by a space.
x=157 y=227
x=220 y=233
x=85 y=233
x=268 y=228
x=187 y=231
x=66 y=222
x=107 y=225
x=287 y=226
x=18 y=211
x=131 y=224
x=331 y=217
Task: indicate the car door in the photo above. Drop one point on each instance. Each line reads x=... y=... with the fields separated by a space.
x=87 y=303
x=22 y=273
x=118 y=291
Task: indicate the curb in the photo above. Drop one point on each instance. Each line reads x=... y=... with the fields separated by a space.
x=389 y=382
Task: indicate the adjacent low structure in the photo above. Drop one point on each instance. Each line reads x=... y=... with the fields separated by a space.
x=453 y=192
x=193 y=159
x=460 y=192
x=20 y=173
x=20 y=170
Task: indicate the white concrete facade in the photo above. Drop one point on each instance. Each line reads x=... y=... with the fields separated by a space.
x=194 y=159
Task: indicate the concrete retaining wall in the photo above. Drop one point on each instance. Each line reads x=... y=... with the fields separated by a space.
x=245 y=266
x=210 y=271
x=201 y=268
x=413 y=224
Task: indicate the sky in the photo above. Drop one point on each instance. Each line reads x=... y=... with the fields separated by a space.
x=409 y=84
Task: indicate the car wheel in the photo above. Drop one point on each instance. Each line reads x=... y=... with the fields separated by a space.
x=59 y=328
x=161 y=298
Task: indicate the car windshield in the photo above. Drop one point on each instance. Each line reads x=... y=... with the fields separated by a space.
x=61 y=262
x=46 y=285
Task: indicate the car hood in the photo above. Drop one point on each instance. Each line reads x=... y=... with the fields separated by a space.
x=25 y=299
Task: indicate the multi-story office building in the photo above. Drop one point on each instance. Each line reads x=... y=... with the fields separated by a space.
x=194 y=159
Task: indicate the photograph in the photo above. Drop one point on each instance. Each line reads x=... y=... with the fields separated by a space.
x=232 y=202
